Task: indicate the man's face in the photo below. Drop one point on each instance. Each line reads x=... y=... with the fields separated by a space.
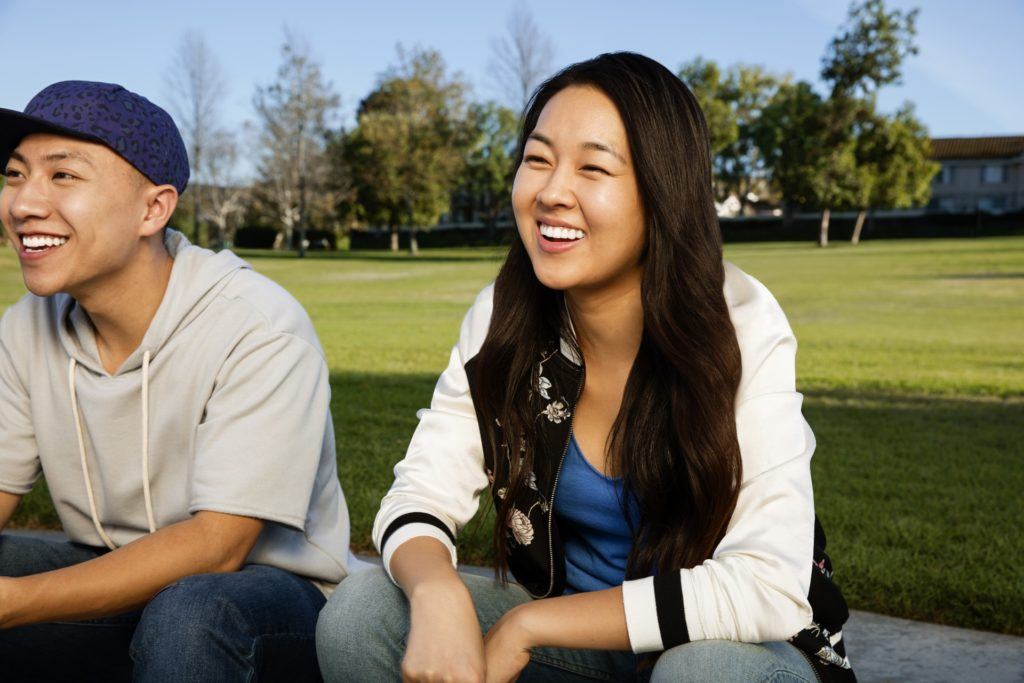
x=73 y=210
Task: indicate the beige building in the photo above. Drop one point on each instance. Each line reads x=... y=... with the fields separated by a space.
x=985 y=173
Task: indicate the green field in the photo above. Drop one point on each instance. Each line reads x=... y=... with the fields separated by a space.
x=911 y=358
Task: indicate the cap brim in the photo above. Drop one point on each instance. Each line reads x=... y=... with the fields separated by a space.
x=15 y=125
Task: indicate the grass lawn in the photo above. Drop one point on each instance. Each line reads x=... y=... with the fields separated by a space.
x=911 y=358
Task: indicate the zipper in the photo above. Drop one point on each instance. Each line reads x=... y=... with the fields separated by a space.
x=554 y=487
x=814 y=669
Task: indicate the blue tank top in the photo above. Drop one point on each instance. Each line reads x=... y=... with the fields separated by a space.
x=589 y=512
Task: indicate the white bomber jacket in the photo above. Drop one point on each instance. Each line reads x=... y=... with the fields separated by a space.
x=755 y=586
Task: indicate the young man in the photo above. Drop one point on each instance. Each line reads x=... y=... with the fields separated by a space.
x=177 y=403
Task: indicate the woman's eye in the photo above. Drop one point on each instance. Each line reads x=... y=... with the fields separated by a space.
x=534 y=159
x=595 y=169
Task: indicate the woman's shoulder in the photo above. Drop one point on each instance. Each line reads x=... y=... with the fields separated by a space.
x=476 y=323
x=765 y=338
x=753 y=309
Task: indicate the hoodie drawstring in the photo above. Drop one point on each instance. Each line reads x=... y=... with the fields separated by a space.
x=72 y=364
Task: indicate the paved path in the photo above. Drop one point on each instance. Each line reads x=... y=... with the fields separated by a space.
x=883 y=649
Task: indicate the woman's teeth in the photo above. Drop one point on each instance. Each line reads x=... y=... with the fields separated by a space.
x=556 y=233
x=40 y=242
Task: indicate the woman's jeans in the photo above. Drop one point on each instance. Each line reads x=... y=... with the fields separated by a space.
x=254 y=624
x=362 y=632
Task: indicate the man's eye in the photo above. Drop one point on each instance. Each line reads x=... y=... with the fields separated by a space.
x=11 y=173
x=61 y=175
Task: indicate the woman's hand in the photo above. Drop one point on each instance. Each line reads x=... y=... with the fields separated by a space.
x=507 y=646
x=444 y=634
x=444 y=637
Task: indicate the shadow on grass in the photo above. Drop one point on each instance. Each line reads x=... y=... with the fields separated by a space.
x=920 y=496
x=921 y=500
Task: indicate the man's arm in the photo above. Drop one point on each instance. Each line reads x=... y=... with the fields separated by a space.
x=8 y=503
x=127 y=578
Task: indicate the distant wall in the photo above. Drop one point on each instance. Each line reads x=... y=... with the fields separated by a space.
x=804 y=228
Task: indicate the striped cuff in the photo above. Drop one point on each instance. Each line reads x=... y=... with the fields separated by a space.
x=655 y=617
x=414 y=525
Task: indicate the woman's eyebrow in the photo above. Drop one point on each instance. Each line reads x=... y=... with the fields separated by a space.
x=601 y=147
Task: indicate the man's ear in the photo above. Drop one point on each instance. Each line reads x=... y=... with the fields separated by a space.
x=161 y=200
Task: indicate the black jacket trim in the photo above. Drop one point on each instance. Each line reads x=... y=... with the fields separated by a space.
x=414 y=518
x=668 y=600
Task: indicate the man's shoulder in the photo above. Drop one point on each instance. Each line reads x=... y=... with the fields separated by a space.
x=270 y=306
x=28 y=318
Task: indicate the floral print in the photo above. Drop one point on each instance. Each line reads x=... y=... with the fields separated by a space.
x=522 y=529
x=556 y=412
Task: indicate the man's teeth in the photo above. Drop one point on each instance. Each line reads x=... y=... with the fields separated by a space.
x=42 y=241
x=557 y=233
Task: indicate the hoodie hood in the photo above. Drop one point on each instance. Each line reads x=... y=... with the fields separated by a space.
x=197 y=276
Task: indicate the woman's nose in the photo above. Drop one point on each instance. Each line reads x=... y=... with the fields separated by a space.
x=557 y=191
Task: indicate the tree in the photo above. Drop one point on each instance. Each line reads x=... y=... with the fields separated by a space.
x=896 y=151
x=789 y=133
x=196 y=86
x=487 y=176
x=521 y=59
x=732 y=103
x=294 y=114
x=227 y=195
x=407 y=149
x=866 y=55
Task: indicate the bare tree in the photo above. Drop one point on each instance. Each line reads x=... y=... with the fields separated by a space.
x=294 y=114
x=521 y=59
x=226 y=194
x=196 y=87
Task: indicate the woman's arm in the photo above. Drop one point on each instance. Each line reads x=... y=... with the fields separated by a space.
x=592 y=621
x=444 y=636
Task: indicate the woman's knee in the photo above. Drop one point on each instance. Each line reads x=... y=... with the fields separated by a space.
x=363 y=626
x=723 y=660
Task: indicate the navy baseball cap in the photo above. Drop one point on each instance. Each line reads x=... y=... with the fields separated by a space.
x=129 y=124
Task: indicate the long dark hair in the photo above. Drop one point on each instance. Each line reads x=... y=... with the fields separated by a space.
x=674 y=440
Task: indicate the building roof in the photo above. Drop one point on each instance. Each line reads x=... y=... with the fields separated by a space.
x=995 y=147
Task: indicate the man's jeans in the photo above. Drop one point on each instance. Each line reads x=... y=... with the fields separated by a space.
x=363 y=630
x=257 y=623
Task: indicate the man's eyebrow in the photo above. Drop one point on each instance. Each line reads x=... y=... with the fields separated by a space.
x=17 y=157
x=601 y=147
x=67 y=154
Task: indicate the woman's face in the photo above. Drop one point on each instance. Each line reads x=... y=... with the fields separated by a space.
x=575 y=196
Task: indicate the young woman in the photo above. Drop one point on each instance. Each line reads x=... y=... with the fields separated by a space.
x=630 y=400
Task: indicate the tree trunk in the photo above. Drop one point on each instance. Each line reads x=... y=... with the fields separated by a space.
x=787 y=215
x=414 y=245
x=860 y=224
x=394 y=238
x=197 y=209
x=823 y=234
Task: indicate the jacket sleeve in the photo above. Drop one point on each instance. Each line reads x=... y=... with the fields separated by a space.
x=438 y=483
x=754 y=587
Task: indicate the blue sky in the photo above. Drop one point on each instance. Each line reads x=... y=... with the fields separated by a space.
x=967 y=80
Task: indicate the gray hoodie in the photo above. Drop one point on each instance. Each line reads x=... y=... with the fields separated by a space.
x=225 y=406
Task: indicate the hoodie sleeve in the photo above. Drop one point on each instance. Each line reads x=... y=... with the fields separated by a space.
x=19 y=454
x=754 y=587
x=260 y=442
x=438 y=483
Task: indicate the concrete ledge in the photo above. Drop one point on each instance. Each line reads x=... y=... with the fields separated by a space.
x=882 y=649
